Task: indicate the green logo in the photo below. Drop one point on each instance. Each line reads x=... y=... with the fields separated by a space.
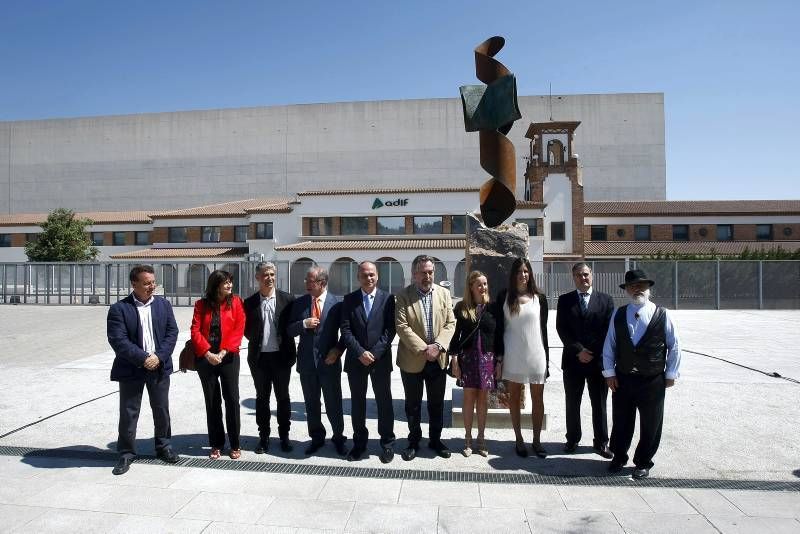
x=377 y=204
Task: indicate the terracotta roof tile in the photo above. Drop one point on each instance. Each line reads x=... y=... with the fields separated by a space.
x=647 y=248
x=378 y=244
x=391 y=190
x=208 y=252
x=692 y=207
x=237 y=208
x=530 y=205
x=98 y=217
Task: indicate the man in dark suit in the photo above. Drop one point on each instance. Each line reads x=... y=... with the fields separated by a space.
x=582 y=321
x=315 y=317
x=142 y=332
x=270 y=354
x=367 y=332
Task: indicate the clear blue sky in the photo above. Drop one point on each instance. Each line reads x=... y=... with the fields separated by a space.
x=729 y=70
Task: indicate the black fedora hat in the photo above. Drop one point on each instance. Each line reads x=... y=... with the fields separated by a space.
x=634 y=276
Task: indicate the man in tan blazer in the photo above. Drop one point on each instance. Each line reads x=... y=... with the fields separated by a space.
x=425 y=323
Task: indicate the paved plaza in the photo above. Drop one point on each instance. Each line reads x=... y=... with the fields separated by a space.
x=729 y=459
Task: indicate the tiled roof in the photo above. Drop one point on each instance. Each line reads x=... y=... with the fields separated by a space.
x=530 y=205
x=692 y=207
x=98 y=217
x=390 y=190
x=647 y=248
x=208 y=252
x=378 y=244
x=237 y=208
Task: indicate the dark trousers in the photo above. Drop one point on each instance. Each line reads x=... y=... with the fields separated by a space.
x=382 y=388
x=574 y=380
x=224 y=377
x=434 y=379
x=645 y=394
x=329 y=384
x=271 y=372
x=130 y=403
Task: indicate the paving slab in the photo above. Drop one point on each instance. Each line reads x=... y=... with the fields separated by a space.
x=363 y=490
x=441 y=493
x=571 y=522
x=596 y=499
x=393 y=518
x=226 y=507
x=59 y=521
x=650 y=523
x=709 y=502
x=765 y=504
x=136 y=524
x=666 y=501
x=538 y=497
x=460 y=519
x=747 y=525
x=16 y=516
x=301 y=513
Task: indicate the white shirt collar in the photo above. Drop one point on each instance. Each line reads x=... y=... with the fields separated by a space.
x=139 y=303
x=588 y=291
x=374 y=292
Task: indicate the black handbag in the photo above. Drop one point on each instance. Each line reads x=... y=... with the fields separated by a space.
x=186 y=361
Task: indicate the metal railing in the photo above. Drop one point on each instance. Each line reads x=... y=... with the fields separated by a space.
x=716 y=284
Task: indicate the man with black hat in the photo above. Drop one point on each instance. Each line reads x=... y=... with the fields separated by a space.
x=641 y=358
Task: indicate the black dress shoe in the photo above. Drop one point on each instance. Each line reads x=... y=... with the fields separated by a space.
x=409 y=453
x=604 y=451
x=168 y=455
x=286 y=445
x=440 y=448
x=641 y=472
x=571 y=446
x=387 y=455
x=123 y=464
x=341 y=450
x=521 y=450
x=262 y=447
x=355 y=454
x=615 y=467
x=314 y=447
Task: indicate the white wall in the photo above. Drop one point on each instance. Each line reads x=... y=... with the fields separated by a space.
x=558 y=198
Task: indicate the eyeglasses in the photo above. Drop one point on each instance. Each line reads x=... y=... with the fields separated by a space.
x=312 y=281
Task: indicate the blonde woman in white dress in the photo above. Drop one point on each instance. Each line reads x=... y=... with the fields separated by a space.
x=523 y=350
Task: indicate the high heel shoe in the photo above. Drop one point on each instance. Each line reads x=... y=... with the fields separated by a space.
x=467 y=451
x=235 y=454
x=538 y=450
x=214 y=454
x=521 y=449
x=482 y=450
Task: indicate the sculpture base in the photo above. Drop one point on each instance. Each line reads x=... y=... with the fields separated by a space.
x=495 y=417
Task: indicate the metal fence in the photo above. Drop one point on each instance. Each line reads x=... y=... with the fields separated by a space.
x=722 y=284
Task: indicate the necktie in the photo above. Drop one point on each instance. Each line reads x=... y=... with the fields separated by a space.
x=367 y=304
x=315 y=312
x=584 y=302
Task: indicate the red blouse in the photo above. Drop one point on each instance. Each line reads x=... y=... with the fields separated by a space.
x=231 y=320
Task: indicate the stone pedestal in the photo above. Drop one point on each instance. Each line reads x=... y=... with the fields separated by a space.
x=492 y=251
x=496 y=417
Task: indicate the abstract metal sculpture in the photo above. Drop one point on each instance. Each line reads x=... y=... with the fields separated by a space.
x=491 y=110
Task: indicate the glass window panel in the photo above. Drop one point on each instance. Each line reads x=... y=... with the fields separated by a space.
x=641 y=232
x=355 y=226
x=177 y=234
x=680 y=232
x=599 y=233
x=118 y=239
x=391 y=225
x=211 y=234
x=321 y=226
x=724 y=232
x=458 y=224
x=264 y=230
x=764 y=232
x=5 y=240
x=558 y=231
x=240 y=234
x=428 y=225
x=97 y=239
x=531 y=225
x=142 y=238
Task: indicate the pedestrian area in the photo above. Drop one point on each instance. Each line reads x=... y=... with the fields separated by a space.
x=729 y=458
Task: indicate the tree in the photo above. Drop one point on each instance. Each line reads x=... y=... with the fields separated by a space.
x=63 y=238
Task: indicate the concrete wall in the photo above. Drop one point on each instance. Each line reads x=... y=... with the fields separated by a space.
x=183 y=159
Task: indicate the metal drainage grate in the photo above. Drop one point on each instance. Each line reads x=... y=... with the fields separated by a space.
x=412 y=474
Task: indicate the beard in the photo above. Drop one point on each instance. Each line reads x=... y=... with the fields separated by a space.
x=641 y=298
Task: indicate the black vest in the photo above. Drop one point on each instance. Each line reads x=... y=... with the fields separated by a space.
x=649 y=357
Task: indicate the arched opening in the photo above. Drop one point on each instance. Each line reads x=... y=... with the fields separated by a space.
x=390 y=274
x=439 y=271
x=233 y=268
x=297 y=275
x=196 y=278
x=343 y=276
x=555 y=152
x=169 y=279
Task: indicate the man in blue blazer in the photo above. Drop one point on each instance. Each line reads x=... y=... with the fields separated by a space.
x=582 y=322
x=367 y=332
x=315 y=317
x=142 y=331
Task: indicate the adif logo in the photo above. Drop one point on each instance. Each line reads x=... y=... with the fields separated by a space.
x=378 y=203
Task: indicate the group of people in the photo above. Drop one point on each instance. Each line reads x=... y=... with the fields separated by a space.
x=633 y=351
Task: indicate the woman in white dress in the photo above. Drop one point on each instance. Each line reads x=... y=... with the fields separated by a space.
x=523 y=350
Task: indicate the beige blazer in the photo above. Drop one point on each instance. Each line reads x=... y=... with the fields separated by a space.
x=410 y=324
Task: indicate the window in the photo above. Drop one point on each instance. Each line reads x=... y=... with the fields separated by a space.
x=142 y=238
x=558 y=231
x=264 y=230
x=118 y=239
x=391 y=225
x=428 y=225
x=355 y=226
x=240 y=233
x=5 y=240
x=599 y=233
x=177 y=234
x=724 y=232
x=531 y=225
x=641 y=232
x=458 y=225
x=680 y=232
x=97 y=239
x=210 y=234
x=764 y=232
x=321 y=226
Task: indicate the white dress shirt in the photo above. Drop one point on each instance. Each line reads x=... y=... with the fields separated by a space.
x=144 y=310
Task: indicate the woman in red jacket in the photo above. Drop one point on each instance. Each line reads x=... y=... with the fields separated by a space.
x=217 y=330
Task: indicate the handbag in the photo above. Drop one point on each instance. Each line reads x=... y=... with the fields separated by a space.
x=186 y=361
